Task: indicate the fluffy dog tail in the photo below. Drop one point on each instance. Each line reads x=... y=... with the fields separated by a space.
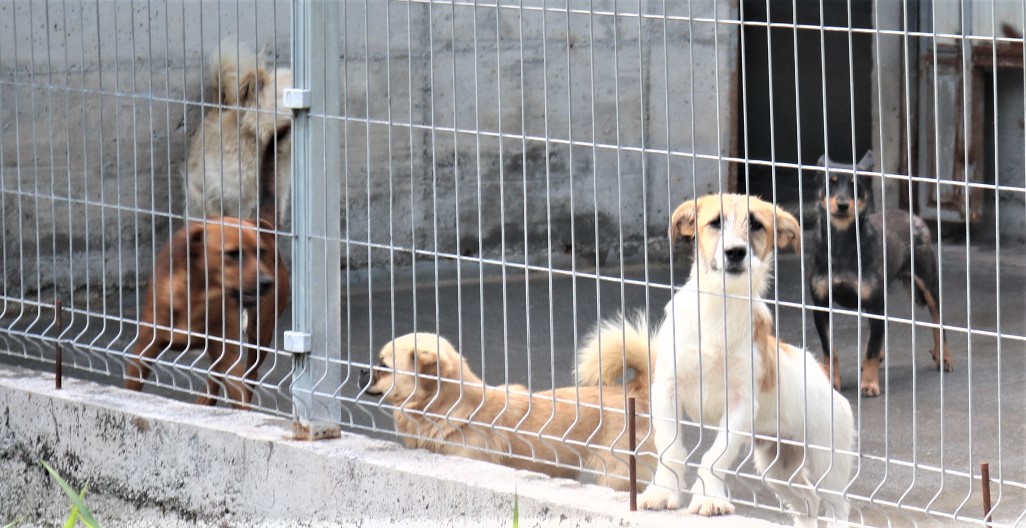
x=236 y=73
x=616 y=346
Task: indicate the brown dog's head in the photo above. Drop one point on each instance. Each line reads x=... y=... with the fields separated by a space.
x=417 y=369
x=734 y=237
x=234 y=256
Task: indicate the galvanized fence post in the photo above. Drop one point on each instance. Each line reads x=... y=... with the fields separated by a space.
x=315 y=340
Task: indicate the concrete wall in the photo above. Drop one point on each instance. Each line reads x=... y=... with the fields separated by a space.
x=155 y=462
x=99 y=99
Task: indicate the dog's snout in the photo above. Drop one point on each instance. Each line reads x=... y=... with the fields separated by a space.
x=843 y=205
x=365 y=378
x=736 y=253
x=264 y=283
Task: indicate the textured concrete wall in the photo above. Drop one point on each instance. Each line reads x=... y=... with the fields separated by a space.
x=155 y=462
x=592 y=127
x=97 y=101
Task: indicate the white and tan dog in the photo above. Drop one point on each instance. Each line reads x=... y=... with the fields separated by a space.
x=719 y=362
x=240 y=159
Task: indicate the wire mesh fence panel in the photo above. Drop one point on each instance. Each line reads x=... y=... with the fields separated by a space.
x=510 y=178
x=116 y=114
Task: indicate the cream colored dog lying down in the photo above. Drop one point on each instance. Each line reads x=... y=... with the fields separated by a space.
x=441 y=405
x=245 y=137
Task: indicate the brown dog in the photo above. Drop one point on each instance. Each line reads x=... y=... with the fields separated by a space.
x=441 y=405
x=218 y=283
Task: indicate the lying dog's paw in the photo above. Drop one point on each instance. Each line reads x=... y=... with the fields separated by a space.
x=656 y=498
x=709 y=506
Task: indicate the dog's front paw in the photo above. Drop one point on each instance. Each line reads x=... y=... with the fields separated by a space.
x=656 y=498
x=709 y=506
x=948 y=365
x=870 y=388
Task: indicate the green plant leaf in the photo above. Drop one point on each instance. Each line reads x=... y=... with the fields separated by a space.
x=12 y=523
x=84 y=514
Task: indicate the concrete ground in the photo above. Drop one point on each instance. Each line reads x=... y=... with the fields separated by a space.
x=921 y=442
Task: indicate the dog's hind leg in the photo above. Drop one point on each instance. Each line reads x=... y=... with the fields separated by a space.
x=927 y=294
x=781 y=465
x=871 y=365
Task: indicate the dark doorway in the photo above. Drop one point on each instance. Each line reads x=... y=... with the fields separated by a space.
x=772 y=129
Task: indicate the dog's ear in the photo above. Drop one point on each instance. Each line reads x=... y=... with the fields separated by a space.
x=683 y=221
x=821 y=175
x=789 y=231
x=427 y=361
x=196 y=239
x=867 y=162
x=249 y=86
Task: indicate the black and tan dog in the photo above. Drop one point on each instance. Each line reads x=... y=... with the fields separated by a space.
x=219 y=284
x=856 y=255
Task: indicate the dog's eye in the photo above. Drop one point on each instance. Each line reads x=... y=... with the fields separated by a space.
x=833 y=180
x=715 y=223
x=234 y=254
x=754 y=224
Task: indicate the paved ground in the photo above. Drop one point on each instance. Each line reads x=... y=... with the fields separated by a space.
x=919 y=441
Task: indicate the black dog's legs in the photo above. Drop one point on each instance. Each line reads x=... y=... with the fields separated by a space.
x=871 y=366
x=822 y=319
x=927 y=290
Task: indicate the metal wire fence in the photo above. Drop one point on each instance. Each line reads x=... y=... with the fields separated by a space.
x=502 y=174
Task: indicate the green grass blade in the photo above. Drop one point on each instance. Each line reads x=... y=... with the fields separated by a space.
x=516 y=510
x=12 y=523
x=84 y=514
x=73 y=518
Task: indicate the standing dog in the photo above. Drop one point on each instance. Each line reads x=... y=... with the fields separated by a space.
x=240 y=160
x=856 y=255
x=218 y=283
x=717 y=359
x=441 y=405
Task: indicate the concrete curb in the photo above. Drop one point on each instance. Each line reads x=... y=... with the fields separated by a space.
x=150 y=461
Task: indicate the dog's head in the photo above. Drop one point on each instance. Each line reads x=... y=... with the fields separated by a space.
x=845 y=193
x=735 y=236
x=234 y=256
x=415 y=369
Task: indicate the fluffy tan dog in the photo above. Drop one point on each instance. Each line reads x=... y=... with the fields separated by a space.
x=216 y=284
x=441 y=405
x=240 y=159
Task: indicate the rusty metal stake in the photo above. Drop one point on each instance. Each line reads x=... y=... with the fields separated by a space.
x=58 y=368
x=632 y=468
x=985 y=477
